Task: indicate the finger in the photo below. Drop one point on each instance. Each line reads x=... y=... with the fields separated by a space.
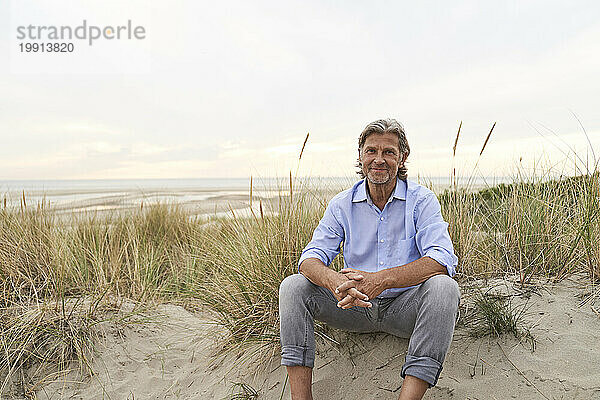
x=340 y=296
x=345 y=302
x=346 y=270
x=345 y=286
x=358 y=303
x=354 y=276
x=357 y=294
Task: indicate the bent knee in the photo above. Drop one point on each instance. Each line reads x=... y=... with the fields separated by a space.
x=444 y=288
x=295 y=286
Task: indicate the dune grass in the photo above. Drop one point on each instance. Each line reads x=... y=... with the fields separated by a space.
x=535 y=227
x=495 y=314
x=59 y=278
x=245 y=259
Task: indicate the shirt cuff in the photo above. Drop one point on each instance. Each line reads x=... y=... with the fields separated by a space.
x=313 y=253
x=449 y=261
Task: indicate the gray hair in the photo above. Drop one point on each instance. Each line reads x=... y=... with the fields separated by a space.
x=380 y=127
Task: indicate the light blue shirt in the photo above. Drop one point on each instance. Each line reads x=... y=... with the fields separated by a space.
x=409 y=227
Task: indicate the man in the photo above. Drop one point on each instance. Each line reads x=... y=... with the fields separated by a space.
x=398 y=259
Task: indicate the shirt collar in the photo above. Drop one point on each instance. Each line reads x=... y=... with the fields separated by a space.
x=360 y=193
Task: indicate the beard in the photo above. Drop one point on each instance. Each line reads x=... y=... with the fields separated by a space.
x=379 y=178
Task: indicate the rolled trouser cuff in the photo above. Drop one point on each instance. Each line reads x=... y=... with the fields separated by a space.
x=424 y=368
x=292 y=356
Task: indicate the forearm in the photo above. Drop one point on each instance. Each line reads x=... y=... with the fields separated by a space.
x=412 y=274
x=318 y=273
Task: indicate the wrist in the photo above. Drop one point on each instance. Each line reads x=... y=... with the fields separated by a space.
x=384 y=279
x=334 y=280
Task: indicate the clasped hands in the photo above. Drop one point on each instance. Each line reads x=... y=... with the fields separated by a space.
x=358 y=288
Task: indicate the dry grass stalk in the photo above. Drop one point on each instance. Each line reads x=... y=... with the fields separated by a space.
x=303 y=145
x=250 y=191
x=454 y=155
x=486 y=139
x=231 y=209
x=291 y=189
x=251 y=209
x=456 y=140
x=588 y=139
x=522 y=374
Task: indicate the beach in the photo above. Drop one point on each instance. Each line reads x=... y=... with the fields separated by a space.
x=209 y=197
x=75 y=198
x=157 y=308
x=204 y=198
x=179 y=357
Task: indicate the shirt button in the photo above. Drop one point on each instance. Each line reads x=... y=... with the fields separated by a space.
x=381 y=240
x=381 y=219
x=380 y=262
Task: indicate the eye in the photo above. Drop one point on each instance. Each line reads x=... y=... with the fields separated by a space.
x=390 y=152
x=369 y=151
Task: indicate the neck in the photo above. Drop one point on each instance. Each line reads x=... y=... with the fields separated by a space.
x=380 y=193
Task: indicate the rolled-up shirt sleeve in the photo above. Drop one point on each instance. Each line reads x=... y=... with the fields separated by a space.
x=432 y=238
x=326 y=239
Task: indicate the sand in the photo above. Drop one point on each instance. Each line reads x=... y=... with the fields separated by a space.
x=171 y=358
x=208 y=202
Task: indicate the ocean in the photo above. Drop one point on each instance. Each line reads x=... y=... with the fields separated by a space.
x=114 y=194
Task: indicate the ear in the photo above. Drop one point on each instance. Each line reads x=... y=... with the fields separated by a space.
x=403 y=158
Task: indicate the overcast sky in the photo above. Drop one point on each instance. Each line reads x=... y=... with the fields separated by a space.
x=230 y=89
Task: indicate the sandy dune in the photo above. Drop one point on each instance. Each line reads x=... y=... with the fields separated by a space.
x=171 y=359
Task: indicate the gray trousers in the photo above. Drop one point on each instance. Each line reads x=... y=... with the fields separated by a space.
x=426 y=314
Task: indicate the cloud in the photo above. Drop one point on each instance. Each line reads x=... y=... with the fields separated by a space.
x=142 y=149
x=233 y=87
